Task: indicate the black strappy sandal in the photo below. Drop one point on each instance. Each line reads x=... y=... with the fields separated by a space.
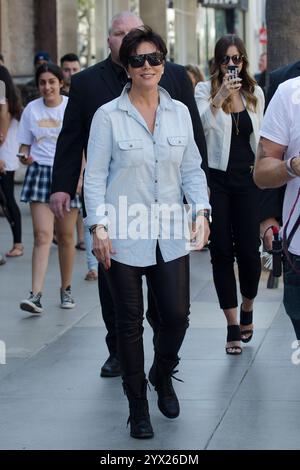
x=246 y=318
x=233 y=334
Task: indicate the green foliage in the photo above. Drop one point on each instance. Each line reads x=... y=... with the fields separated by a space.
x=84 y=6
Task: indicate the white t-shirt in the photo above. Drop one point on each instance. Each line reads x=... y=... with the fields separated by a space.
x=10 y=147
x=39 y=127
x=281 y=124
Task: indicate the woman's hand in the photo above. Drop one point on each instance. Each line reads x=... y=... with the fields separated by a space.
x=266 y=233
x=2 y=166
x=229 y=86
x=200 y=232
x=28 y=160
x=102 y=247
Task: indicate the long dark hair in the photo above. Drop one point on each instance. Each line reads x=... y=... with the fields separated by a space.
x=52 y=68
x=248 y=83
x=11 y=94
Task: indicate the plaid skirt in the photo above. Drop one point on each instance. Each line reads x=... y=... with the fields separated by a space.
x=37 y=185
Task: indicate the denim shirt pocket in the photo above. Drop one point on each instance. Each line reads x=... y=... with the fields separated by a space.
x=130 y=153
x=177 y=146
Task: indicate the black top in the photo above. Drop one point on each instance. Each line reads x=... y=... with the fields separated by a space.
x=239 y=172
x=241 y=156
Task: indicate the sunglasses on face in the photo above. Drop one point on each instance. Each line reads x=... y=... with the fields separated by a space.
x=153 y=59
x=236 y=59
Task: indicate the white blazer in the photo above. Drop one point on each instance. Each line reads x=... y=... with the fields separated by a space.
x=218 y=128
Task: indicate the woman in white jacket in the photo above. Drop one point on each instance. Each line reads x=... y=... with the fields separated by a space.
x=231 y=107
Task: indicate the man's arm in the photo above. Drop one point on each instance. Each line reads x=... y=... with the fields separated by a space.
x=70 y=144
x=270 y=170
x=269 y=156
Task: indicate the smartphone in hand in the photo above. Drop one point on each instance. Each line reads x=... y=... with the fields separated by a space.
x=22 y=156
x=233 y=71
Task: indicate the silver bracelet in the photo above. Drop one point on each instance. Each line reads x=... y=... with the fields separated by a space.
x=289 y=169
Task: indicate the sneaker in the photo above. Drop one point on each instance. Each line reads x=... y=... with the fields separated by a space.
x=66 y=298
x=32 y=304
x=2 y=259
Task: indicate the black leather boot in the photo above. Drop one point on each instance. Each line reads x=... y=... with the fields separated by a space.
x=160 y=376
x=135 y=387
x=111 y=367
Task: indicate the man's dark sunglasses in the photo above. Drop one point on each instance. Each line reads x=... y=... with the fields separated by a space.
x=236 y=59
x=153 y=59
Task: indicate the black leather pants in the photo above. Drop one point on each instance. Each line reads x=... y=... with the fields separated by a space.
x=109 y=311
x=170 y=284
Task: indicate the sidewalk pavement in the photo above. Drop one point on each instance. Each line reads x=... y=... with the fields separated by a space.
x=51 y=395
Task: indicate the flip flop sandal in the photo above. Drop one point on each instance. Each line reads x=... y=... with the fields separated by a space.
x=91 y=275
x=80 y=246
x=18 y=251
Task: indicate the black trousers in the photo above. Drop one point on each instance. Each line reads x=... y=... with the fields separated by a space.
x=108 y=309
x=170 y=284
x=234 y=234
x=11 y=209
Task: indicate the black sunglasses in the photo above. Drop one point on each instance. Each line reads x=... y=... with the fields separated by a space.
x=153 y=59
x=236 y=59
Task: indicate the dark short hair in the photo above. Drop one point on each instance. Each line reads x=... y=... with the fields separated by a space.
x=69 y=58
x=134 y=38
x=52 y=68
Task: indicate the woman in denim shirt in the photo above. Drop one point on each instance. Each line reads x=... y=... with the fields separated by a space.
x=142 y=159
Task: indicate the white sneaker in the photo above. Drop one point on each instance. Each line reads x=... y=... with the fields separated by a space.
x=32 y=304
x=66 y=298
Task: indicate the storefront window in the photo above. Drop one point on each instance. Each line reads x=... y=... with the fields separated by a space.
x=206 y=33
x=212 y=24
x=171 y=32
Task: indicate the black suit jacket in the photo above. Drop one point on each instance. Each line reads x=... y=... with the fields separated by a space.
x=281 y=75
x=272 y=199
x=91 y=89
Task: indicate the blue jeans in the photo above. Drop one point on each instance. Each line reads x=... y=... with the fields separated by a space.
x=291 y=294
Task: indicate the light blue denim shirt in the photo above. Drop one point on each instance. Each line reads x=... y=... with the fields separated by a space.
x=135 y=180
